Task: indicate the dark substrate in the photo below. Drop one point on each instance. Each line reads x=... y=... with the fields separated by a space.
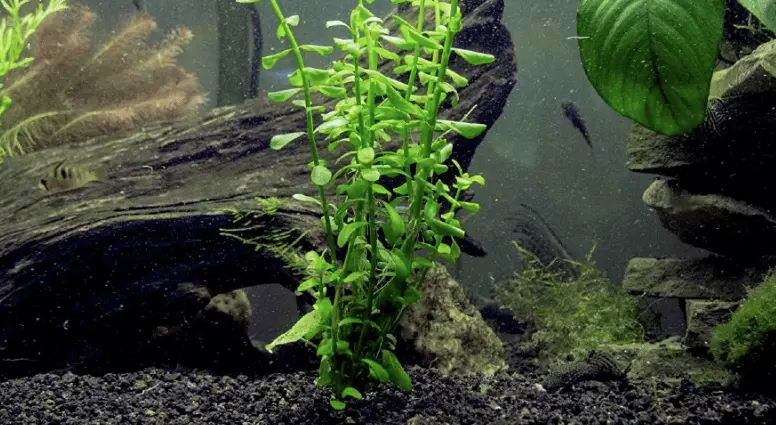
x=173 y=397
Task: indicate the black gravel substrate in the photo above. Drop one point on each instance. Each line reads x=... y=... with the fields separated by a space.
x=157 y=396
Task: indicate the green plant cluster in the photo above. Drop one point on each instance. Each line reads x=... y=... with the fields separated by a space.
x=360 y=298
x=652 y=60
x=15 y=30
x=569 y=317
x=747 y=342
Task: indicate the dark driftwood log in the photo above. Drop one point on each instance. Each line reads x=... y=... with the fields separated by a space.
x=93 y=272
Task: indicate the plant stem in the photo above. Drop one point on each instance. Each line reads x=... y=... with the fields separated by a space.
x=372 y=221
x=426 y=138
x=316 y=161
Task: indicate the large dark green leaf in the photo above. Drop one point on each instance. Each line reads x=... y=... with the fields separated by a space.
x=651 y=60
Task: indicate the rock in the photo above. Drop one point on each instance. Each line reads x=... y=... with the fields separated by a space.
x=447 y=332
x=668 y=360
x=702 y=317
x=711 y=277
x=717 y=223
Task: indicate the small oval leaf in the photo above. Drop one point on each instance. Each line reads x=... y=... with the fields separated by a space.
x=475 y=58
x=267 y=62
x=283 y=95
x=321 y=175
x=279 y=141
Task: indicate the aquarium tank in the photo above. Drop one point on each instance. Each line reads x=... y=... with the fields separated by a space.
x=387 y=212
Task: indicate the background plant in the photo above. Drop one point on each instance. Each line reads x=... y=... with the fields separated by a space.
x=390 y=235
x=652 y=60
x=569 y=316
x=15 y=30
x=80 y=87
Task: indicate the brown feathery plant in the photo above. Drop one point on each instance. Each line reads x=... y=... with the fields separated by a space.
x=75 y=90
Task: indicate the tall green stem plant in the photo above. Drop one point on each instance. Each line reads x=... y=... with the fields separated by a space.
x=390 y=235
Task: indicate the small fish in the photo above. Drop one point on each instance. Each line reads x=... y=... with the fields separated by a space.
x=68 y=177
x=572 y=114
x=139 y=5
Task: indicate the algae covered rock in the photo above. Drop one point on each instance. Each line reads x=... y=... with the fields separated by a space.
x=668 y=360
x=447 y=332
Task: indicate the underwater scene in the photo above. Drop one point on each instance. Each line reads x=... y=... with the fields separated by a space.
x=387 y=212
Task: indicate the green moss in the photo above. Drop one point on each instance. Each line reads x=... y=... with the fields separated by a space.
x=746 y=343
x=570 y=316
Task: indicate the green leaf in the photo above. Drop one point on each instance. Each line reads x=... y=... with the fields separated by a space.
x=307 y=284
x=396 y=372
x=442 y=228
x=370 y=174
x=471 y=207
x=315 y=76
x=304 y=325
x=268 y=62
x=292 y=21
x=330 y=24
x=376 y=370
x=466 y=129
x=652 y=60
x=337 y=404
x=321 y=50
x=324 y=372
x=348 y=230
x=366 y=155
x=279 y=141
x=331 y=125
x=398 y=42
x=351 y=392
x=395 y=226
x=411 y=34
x=332 y=91
x=475 y=58
x=350 y=321
x=764 y=10
x=283 y=95
x=402 y=104
x=305 y=198
x=354 y=277
x=478 y=179
x=321 y=175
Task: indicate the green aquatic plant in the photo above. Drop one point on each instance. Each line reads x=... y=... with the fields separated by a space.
x=390 y=236
x=15 y=30
x=746 y=343
x=569 y=316
x=652 y=60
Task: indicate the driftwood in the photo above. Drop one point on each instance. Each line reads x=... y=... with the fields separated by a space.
x=93 y=272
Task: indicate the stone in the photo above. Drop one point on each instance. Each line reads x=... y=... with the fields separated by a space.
x=447 y=332
x=702 y=317
x=668 y=360
x=717 y=223
x=711 y=277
